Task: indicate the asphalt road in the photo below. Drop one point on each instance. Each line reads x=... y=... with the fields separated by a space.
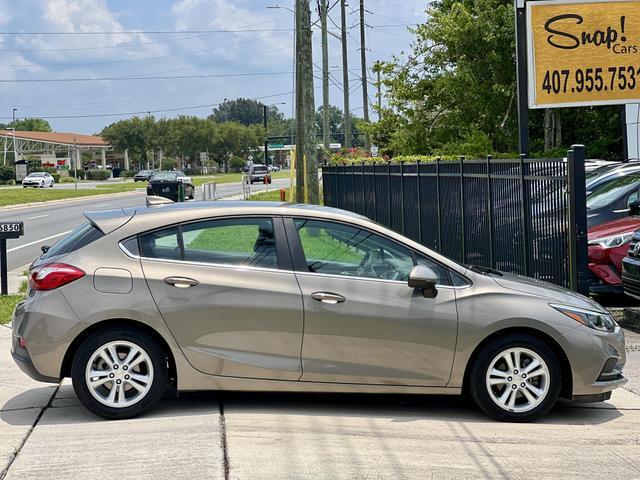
x=45 y=224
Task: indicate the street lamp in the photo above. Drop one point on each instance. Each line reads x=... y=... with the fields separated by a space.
x=13 y=113
x=266 y=137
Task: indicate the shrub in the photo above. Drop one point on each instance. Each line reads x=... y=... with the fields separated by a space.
x=79 y=174
x=191 y=171
x=236 y=164
x=127 y=173
x=56 y=177
x=7 y=172
x=98 y=174
x=67 y=180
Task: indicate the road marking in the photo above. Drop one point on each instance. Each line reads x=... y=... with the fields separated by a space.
x=38 y=241
x=37 y=216
x=102 y=205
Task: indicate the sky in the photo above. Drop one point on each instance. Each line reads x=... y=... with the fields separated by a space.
x=38 y=65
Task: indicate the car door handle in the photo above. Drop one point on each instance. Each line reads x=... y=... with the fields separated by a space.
x=327 y=297
x=181 y=282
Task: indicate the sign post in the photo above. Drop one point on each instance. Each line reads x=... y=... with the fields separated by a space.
x=7 y=230
x=583 y=52
x=521 y=72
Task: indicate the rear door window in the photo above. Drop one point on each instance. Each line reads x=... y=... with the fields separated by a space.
x=233 y=241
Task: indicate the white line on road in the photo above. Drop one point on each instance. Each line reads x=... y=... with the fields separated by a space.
x=102 y=205
x=38 y=241
x=37 y=216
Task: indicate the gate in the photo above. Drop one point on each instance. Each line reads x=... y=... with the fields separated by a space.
x=523 y=215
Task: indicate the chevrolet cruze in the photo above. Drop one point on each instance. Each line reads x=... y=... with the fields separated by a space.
x=280 y=297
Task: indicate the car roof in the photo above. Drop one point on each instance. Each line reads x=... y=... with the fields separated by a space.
x=242 y=207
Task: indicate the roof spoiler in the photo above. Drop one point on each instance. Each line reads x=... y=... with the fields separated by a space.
x=154 y=201
x=109 y=220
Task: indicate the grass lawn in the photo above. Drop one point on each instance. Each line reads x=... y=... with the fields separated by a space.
x=7 y=304
x=17 y=196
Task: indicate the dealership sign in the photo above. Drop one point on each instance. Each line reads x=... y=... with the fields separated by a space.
x=583 y=52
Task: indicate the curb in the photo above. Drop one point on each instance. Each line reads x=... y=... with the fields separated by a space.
x=65 y=200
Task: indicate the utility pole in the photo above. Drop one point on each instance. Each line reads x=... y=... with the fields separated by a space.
x=345 y=75
x=266 y=137
x=363 y=61
x=326 y=128
x=306 y=167
x=379 y=85
x=13 y=114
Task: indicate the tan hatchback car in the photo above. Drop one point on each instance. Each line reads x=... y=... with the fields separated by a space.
x=279 y=297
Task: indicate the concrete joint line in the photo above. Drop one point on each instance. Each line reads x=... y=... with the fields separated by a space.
x=223 y=444
x=5 y=470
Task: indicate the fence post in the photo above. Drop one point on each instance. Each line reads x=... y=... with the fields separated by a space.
x=524 y=215
x=419 y=201
x=492 y=261
x=402 y=197
x=438 y=204
x=374 y=168
x=578 y=249
x=463 y=236
x=364 y=188
x=389 y=191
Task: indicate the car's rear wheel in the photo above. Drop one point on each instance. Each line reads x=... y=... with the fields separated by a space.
x=119 y=373
x=516 y=378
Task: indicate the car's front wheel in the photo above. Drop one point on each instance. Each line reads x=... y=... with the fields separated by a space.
x=516 y=378
x=119 y=373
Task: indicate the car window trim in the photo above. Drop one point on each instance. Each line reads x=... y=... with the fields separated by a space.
x=282 y=248
x=300 y=261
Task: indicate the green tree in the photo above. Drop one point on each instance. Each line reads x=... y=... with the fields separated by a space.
x=246 y=112
x=29 y=125
x=336 y=123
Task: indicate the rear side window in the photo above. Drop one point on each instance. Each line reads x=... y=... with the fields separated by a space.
x=237 y=241
x=77 y=239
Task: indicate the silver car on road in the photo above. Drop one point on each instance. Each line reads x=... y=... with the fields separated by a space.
x=280 y=297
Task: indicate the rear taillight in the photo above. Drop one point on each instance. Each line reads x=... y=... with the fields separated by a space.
x=53 y=275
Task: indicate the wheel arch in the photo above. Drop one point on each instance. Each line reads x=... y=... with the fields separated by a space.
x=65 y=370
x=566 y=388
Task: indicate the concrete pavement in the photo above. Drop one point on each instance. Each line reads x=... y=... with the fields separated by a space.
x=45 y=434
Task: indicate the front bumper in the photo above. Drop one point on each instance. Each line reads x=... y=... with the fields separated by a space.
x=596 y=359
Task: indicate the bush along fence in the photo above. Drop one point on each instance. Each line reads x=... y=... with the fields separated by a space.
x=525 y=216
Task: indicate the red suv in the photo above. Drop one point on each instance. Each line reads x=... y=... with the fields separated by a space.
x=608 y=245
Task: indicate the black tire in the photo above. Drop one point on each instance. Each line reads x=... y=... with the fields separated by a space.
x=478 y=385
x=141 y=340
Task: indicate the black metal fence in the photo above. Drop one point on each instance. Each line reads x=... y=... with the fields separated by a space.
x=525 y=215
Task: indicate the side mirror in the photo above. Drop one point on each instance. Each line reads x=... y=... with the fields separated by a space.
x=634 y=208
x=425 y=279
x=45 y=248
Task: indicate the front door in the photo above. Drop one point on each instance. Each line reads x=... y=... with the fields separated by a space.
x=363 y=323
x=224 y=290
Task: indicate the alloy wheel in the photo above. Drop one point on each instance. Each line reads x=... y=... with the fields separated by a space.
x=518 y=380
x=119 y=374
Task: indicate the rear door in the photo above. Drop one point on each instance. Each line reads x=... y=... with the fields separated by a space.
x=227 y=292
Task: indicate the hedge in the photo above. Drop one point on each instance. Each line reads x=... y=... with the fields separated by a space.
x=98 y=174
x=338 y=159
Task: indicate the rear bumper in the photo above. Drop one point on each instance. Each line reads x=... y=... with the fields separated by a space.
x=27 y=367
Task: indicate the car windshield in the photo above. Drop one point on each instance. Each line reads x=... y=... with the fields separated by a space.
x=145 y=172
x=165 y=176
x=612 y=190
x=36 y=174
x=259 y=169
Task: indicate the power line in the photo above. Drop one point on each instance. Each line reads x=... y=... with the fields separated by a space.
x=142 y=59
x=138 y=99
x=147 y=111
x=167 y=77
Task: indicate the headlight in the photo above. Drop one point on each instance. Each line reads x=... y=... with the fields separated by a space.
x=613 y=240
x=596 y=320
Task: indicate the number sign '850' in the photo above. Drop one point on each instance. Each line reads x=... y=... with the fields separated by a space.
x=11 y=229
